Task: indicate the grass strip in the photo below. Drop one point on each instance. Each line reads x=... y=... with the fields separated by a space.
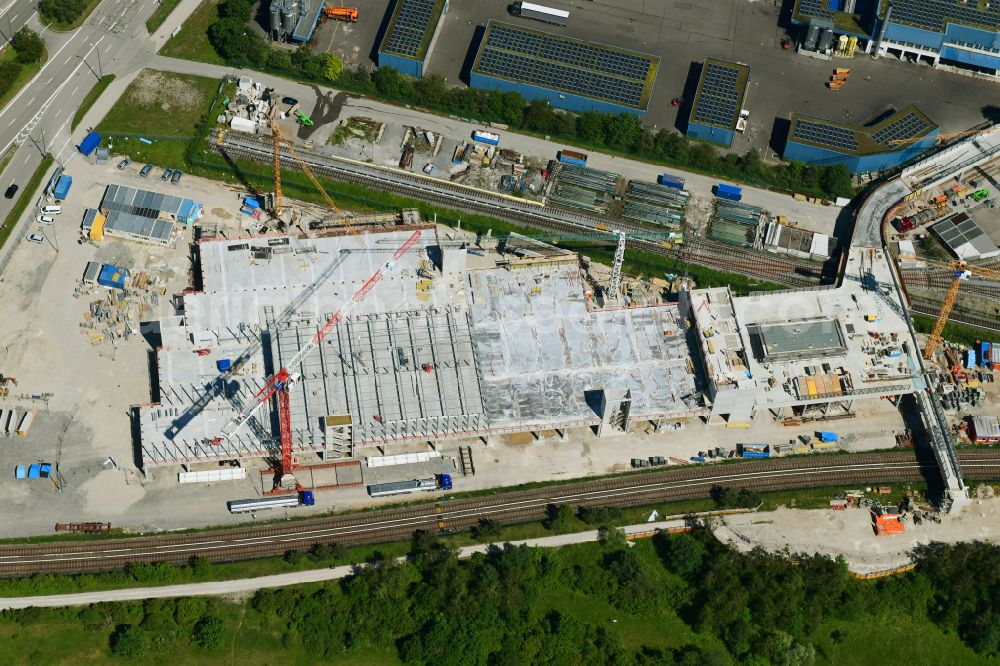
x=88 y=101
x=160 y=14
x=26 y=74
x=62 y=26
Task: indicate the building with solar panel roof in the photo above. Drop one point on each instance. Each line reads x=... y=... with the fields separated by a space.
x=570 y=73
x=410 y=35
x=891 y=141
x=715 y=113
x=960 y=33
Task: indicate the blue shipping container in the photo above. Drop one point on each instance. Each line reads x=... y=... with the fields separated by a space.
x=307 y=498
x=444 y=481
x=671 y=181
x=730 y=192
x=984 y=354
x=62 y=187
x=486 y=137
x=572 y=157
x=112 y=277
x=756 y=454
x=826 y=436
x=89 y=143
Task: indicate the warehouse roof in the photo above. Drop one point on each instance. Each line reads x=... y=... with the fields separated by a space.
x=965 y=238
x=936 y=14
x=721 y=91
x=819 y=11
x=566 y=65
x=149 y=204
x=411 y=28
x=891 y=134
x=153 y=230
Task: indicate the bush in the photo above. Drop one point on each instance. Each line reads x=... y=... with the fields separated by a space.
x=210 y=632
x=599 y=515
x=558 y=517
x=129 y=641
x=8 y=73
x=486 y=529
x=731 y=498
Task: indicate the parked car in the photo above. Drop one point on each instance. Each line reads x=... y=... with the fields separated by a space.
x=167 y=174
x=124 y=163
x=11 y=191
x=176 y=178
x=145 y=170
x=45 y=219
x=35 y=238
x=429 y=168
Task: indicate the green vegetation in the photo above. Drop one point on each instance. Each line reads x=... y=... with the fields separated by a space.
x=191 y=42
x=19 y=62
x=65 y=15
x=169 y=109
x=957 y=333
x=160 y=14
x=25 y=195
x=683 y=599
x=92 y=96
x=217 y=33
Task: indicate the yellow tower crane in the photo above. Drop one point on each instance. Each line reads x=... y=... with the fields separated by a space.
x=960 y=271
x=940 y=137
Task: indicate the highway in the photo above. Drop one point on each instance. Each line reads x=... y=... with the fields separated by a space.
x=392 y=524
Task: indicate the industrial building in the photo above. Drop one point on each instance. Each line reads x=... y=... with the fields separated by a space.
x=569 y=73
x=449 y=344
x=410 y=35
x=294 y=20
x=797 y=352
x=964 y=238
x=893 y=139
x=139 y=215
x=960 y=33
x=718 y=103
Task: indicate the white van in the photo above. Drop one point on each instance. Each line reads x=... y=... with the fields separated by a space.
x=45 y=219
x=52 y=210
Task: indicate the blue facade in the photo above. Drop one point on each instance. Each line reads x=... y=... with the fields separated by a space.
x=407 y=66
x=560 y=100
x=716 y=135
x=808 y=154
x=971 y=58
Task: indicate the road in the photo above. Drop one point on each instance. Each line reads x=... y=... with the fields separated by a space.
x=247 y=585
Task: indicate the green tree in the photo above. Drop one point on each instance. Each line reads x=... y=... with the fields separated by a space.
x=210 y=632
x=9 y=71
x=558 y=517
x=837 y=181
x=540 y=117
x=590 y=127
x=29 y=46
x=129 y=641
x=682 y=553
x=333 y=67
x=486 y=529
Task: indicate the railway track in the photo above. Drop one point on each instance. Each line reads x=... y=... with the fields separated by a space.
x=930 y=309
x=717 y=256
x=394 y=524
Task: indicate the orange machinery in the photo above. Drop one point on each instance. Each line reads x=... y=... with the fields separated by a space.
x=348 y=14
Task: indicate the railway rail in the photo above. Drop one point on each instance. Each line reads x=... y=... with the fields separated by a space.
x=392 y=524
x=930 y=309
x=717 y=256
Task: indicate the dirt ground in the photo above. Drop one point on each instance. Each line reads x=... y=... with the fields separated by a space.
x=849 y=533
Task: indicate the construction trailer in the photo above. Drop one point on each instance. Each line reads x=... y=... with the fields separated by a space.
x=984 y=429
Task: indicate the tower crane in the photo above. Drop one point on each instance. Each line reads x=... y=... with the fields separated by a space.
x=961 y=271
x=940 y=137
x=281 y=382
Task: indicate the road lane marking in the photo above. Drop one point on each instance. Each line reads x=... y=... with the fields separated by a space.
x=10 y=104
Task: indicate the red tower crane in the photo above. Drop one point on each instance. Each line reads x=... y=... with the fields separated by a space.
x=283 y=379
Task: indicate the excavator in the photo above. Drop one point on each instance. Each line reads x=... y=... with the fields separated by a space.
x=346 y=14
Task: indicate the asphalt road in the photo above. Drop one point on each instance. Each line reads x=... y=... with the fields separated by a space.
x=113 y=40
x=247 y=585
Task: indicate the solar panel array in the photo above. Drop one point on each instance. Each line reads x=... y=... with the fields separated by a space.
x=564 y=64
x=718 y=95
x=832 y=136
x=815 y=9
x=934 y=14
x=406 y=34
x=906 y=127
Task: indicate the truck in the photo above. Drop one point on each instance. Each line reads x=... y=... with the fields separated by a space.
x=301 y=498
x=61 y=190
x=730 y=192
x=489 y=138
x=669 y=180
x=572 y=157
x=985 y=359
x=540 y=13
x=89 y=143
x=436 y=482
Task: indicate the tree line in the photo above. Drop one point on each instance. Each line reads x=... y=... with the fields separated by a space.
x=517 y=604
x=623 y=133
